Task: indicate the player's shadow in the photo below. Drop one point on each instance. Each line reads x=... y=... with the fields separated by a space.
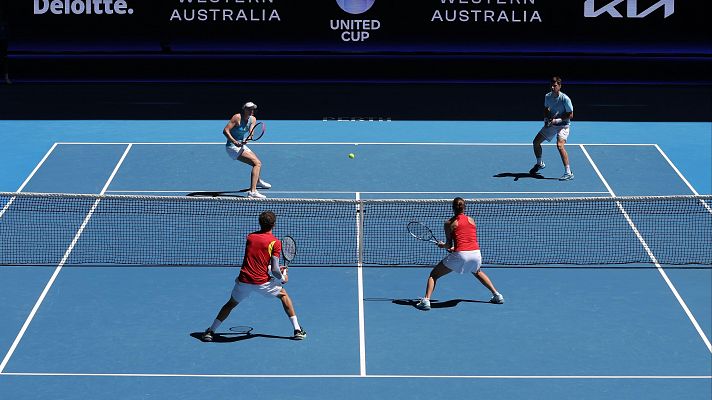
x=236 y=193
x=433 y=303
x=232 y=337
x=230 y=193
x=518 y=175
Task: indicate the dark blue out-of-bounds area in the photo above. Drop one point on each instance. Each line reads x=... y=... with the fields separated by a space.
x=132 y=332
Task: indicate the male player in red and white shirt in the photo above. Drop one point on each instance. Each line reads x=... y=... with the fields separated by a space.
x=465 y=256
x=262 y=252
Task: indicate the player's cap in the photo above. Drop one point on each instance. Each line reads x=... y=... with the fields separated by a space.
x=249 y=105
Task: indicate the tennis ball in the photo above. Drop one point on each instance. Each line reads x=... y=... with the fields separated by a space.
x=352 y=155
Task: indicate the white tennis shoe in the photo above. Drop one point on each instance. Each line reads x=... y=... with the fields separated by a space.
x=208 y=335
x=299 y=334
x=567 y=176
x=256 y=195
x=497 y=299
x=423 y=305
x=263 y=184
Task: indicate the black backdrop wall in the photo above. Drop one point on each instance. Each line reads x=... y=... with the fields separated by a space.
x=355 y=58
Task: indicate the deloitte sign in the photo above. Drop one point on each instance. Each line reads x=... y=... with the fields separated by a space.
x=59 y=7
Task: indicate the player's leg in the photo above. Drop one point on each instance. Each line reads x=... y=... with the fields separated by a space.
x=222 y=316
x=299 y=332
x=473 y=265
x=250 y=158
x=240 y=292
x=561 y=139
x=438 y=272
x=227 y=309
x=536 y=144
x=561 y=146
x=485 y=280
x=286 y=303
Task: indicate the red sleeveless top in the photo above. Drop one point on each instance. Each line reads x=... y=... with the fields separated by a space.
x=465 y=234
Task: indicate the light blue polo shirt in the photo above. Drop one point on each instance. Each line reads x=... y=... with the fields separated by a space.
x=558 y=106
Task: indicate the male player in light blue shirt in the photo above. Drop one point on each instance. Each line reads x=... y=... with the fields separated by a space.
x=558 y=111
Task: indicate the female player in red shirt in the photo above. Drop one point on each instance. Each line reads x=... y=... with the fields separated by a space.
x=461 y=242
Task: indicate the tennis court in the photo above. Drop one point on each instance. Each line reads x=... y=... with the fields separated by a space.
x=132 y=332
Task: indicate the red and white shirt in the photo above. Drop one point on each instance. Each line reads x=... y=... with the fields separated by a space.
x=259 y=250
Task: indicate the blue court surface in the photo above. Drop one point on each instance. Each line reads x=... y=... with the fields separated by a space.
x=112 y=332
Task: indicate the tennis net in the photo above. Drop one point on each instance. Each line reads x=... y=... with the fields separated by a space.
x=48 y=229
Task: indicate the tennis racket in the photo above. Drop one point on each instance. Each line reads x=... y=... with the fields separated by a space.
x=256 y=132
x=289 y=251
x=547 y=119
x=422 y=232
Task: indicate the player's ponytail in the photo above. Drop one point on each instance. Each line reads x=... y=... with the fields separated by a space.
x=458 y=205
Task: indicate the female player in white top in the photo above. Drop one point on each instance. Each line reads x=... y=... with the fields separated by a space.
x=236 y=131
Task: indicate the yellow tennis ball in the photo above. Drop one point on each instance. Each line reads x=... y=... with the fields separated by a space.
x=352 y=155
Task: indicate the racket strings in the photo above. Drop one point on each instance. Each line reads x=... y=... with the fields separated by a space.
x=257 y=131
x=289 y=248
x=420 y=231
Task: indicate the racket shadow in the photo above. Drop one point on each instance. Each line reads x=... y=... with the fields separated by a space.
x=518 y=175
x=433 y=303
x=232 y=337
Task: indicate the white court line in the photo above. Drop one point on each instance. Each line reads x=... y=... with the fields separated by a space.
x=359 y=269
x=677 y=171
x=60 y=265
x=335 y=376
x=347 y=192
x=651 y=255
x=22 y=186
x=352 y=143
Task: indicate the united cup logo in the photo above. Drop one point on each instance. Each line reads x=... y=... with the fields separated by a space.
x=355 y=6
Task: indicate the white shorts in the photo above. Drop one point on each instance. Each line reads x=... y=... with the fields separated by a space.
x=235 y=152
x=242 y=290
x=464 y=261
x=561 y=132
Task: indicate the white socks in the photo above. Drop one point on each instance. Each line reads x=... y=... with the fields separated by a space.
x=295 y=323
x=215 y=325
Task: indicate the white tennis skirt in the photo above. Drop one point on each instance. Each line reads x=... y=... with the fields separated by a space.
x=235 y=152
x=464 y=261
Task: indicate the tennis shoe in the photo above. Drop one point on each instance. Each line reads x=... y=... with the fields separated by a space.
x=263 y=184
x=497 y=299
x=256 y=195
x=423 y=305
x=300 y=334
x=536 y=168
x=208 y=335
x=567 y=176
